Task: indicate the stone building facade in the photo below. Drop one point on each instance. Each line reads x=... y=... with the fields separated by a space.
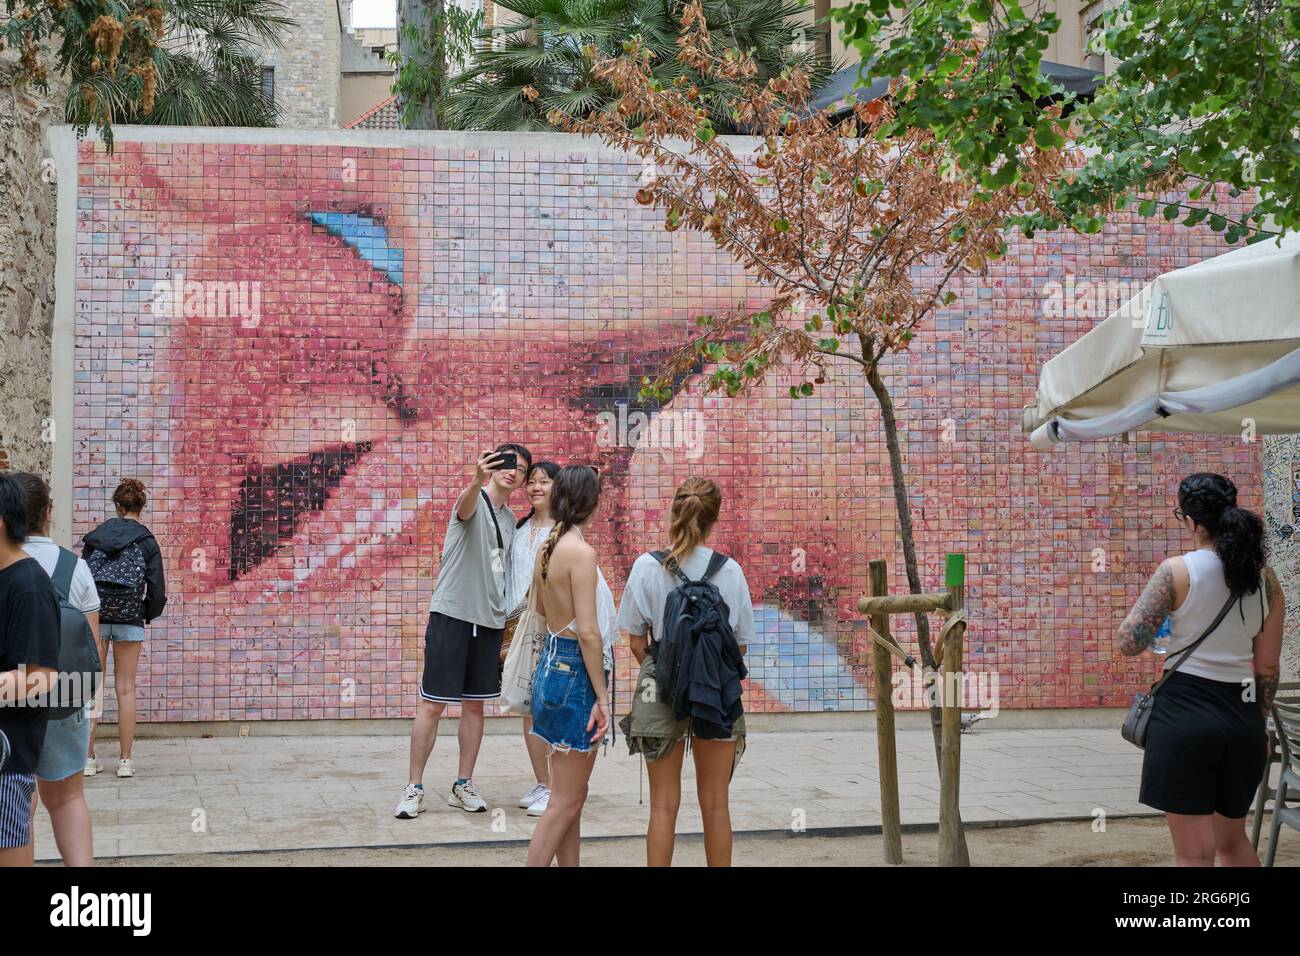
x=27 y=227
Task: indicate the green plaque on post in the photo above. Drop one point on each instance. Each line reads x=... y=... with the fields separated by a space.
x=954 y=575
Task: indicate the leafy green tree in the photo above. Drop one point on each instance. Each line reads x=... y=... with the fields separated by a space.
x=1204 y=95
x=526 y=69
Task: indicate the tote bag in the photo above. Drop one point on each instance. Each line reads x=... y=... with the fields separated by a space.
x=521 y=661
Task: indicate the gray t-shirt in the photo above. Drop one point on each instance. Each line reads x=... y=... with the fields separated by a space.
x=649 y=584
x=471 y=578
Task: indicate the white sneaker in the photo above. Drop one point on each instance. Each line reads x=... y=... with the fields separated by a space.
x=125 y=768
x=531 y=797
x=539 y=805
x=412 y=803
x=464 y=795
x=93 y=766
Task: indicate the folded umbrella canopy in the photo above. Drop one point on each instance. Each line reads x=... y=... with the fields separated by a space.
x=1200 y=349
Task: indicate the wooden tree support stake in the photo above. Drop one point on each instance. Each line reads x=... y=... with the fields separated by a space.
x=891 y=820
x=950 y=739
x=950 y=603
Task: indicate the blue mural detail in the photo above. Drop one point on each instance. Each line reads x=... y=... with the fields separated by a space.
x=368 y=237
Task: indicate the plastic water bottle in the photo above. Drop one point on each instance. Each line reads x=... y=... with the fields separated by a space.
x=1161 y=644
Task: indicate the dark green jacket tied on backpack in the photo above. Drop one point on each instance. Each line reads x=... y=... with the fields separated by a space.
x=126 y=563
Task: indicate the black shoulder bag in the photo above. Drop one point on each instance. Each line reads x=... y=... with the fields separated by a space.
x=1139 y=714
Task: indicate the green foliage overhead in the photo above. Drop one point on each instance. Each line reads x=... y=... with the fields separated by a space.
x=1207 y=93
x=1203 y=94
x=527 y=68
x=173 y=62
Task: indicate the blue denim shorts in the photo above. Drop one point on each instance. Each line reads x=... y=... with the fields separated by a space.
x=120 y=632
x=66 y=743
x=563 y=696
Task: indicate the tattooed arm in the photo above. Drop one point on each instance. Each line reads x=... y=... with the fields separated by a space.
x=1268 y=643
x=1139 y=628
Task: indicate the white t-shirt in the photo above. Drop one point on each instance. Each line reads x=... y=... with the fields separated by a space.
x=82 y=594
x=649 y=585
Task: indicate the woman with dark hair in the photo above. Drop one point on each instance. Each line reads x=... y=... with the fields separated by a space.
x=531 y=532
x=1206 y=746
x=571 y=708
x=127 y=564
x=29 y=662
x=59 y=771
x=652 y=727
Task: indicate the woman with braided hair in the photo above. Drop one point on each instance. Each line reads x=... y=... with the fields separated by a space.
x=571 y=707
x=1205 y=746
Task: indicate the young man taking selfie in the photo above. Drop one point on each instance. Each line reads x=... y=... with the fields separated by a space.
x=466 y=617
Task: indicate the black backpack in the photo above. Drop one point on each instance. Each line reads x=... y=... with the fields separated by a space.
x=120 y=580
x=79 y=671
x=692 y=608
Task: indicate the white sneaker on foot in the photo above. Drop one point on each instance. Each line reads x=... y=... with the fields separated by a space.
x=411 y=804
x=125 y=768
x=531 y=797
x=93 y=766
x=539 y=806
x=464 y=795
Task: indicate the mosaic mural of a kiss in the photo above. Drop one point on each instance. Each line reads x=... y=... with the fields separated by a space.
x=300 y=349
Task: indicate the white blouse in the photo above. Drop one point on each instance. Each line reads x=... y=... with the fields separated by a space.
x=524 y=547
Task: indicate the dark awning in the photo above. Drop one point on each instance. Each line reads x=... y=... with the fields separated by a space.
x=1077 y=80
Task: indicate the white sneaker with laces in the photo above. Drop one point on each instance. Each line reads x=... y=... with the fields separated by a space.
x=125 y=768
x=529 y=798
x=539 y=806
x=464 y=795
x=93 y=766
x=411 y=804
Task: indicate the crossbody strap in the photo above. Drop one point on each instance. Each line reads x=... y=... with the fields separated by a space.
x=63 y=570
x=1187 y=651
x=492 y=511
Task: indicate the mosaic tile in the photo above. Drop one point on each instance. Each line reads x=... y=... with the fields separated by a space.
x=300 y=349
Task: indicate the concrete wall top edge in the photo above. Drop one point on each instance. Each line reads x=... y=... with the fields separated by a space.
x=402 y=139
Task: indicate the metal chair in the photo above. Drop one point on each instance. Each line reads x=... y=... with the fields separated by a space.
x=1286 y=720
x=1285 y=691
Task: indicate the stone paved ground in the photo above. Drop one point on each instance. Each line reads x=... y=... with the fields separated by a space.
x=262 y=793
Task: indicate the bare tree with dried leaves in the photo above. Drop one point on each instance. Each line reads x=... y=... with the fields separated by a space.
x=856 y=233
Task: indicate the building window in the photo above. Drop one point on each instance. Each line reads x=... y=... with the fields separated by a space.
x=268 y=83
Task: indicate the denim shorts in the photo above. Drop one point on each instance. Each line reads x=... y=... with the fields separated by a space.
x=64 y=751
x=563 y=696
x=120 y=632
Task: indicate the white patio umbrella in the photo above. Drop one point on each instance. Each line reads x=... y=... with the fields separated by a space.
x=1200 y=349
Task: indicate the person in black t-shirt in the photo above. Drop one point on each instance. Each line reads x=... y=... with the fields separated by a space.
x=29 y=660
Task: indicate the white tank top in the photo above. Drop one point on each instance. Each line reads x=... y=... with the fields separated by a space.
x=1227 y=654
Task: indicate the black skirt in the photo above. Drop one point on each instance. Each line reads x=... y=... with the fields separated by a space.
x=1205 y=749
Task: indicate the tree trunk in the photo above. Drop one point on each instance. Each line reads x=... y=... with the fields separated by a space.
x=427 y=16
x=904 y=508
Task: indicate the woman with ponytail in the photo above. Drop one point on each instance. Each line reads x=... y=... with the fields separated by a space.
x=651 y=728
x=571 y=706
x=1205 y=745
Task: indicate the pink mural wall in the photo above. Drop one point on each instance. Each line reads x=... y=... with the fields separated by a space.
x=300 y=349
